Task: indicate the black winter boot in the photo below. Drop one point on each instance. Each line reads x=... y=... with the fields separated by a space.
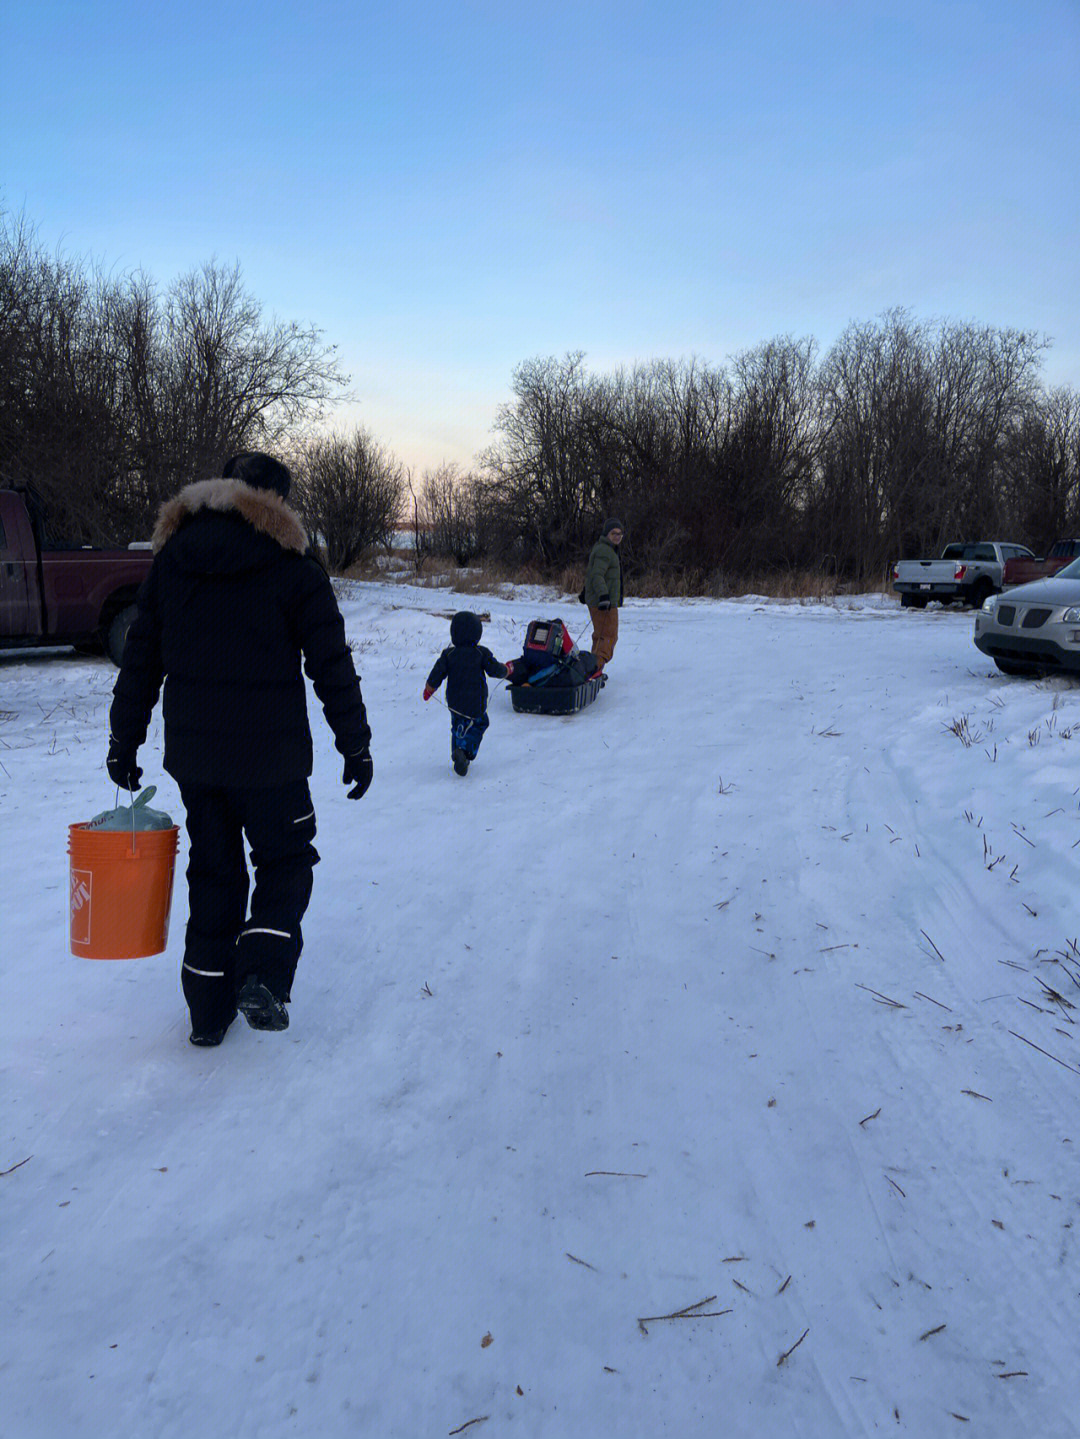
x=208 y=1038
x=461 y=761
x=261 y=1007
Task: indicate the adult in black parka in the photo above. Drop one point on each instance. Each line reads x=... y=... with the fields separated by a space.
x=233 y=604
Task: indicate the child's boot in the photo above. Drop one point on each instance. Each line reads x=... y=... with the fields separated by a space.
x=461 y=761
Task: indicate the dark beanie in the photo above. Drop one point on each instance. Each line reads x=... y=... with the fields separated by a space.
x=466 y=628
x=609 y=525
x=262 y=471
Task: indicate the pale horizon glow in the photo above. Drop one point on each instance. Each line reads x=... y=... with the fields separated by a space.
x=447 y=194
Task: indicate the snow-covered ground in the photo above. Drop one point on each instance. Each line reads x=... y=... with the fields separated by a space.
x=703 y=1064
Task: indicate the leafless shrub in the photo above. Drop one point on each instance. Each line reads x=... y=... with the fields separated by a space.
x=351 y=493
x=451 y=512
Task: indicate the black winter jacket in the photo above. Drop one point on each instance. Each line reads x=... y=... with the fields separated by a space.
x=231 y=605
x=463 y=666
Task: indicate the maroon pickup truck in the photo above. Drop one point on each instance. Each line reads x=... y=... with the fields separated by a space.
x=1022 y=572
x=55 y=596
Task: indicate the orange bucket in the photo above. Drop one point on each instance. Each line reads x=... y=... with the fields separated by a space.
x=121 y=891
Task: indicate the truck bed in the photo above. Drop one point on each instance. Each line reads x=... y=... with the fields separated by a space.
x=1022 y=572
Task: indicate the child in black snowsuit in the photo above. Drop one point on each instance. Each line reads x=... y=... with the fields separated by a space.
x=463 y=666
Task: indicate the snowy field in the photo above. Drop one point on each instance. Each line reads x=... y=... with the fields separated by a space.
x=704 y=1064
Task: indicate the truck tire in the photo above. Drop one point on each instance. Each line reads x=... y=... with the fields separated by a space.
x=116 y=634
x=981 y=591
x=912 y=602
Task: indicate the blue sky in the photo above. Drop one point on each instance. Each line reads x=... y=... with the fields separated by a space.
x=448 y=190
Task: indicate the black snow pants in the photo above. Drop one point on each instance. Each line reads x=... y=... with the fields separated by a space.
x=224 y=943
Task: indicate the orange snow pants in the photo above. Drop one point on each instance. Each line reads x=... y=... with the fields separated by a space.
x=605 y=633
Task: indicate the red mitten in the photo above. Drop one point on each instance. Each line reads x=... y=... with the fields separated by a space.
x=428 y=692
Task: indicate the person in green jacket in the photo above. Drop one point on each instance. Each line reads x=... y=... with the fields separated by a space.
x=603 y=591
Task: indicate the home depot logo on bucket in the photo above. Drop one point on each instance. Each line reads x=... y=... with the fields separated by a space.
x=82 y=887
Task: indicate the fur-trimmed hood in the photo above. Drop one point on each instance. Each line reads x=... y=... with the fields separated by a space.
x=265 y=511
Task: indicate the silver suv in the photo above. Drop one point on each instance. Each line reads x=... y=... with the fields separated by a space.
x=1034 y=628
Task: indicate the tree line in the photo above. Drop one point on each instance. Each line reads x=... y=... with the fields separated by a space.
x=904 y=435
x=114 y=393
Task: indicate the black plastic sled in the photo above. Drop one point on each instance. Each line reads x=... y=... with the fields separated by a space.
x=553 y=677
x=540 y=700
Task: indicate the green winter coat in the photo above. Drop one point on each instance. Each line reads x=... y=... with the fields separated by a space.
x=603 y=578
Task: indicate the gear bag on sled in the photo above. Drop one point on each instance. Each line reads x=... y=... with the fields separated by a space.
x=553 y=676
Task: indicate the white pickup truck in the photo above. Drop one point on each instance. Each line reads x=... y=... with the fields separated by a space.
x=967 y=572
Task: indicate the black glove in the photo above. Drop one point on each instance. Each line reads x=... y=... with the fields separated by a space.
x=358 y=772
x=604 y=602
x=123 y=771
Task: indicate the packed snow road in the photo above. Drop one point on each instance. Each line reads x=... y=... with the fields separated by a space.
x=705 y=1063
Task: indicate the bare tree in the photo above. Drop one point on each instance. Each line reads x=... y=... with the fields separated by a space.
x=452 y=511
x=922 y=437
x=772 y=451
x=541 y=467
x=662 y=445
x=1042 y=464
x=59 y=421
x=876 y=491
x=112 y=396
x=351 y=492
x=234 y=380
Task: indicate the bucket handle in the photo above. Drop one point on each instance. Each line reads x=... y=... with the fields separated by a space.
x=147 y=795
x=116 y=805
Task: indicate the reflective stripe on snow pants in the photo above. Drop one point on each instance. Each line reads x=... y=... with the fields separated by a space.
x=223 y=942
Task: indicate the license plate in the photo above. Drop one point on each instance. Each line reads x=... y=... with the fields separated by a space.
x=925 y=587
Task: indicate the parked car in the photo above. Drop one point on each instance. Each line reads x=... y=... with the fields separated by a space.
x=1034 y=628
x=56 y=595
x=1019 y=571
x=967 y=572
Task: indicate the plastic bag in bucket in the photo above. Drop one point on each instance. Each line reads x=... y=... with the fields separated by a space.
x=137 y=815
x=121 y=883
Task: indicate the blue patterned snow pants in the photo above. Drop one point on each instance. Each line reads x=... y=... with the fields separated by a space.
x=466 y=733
